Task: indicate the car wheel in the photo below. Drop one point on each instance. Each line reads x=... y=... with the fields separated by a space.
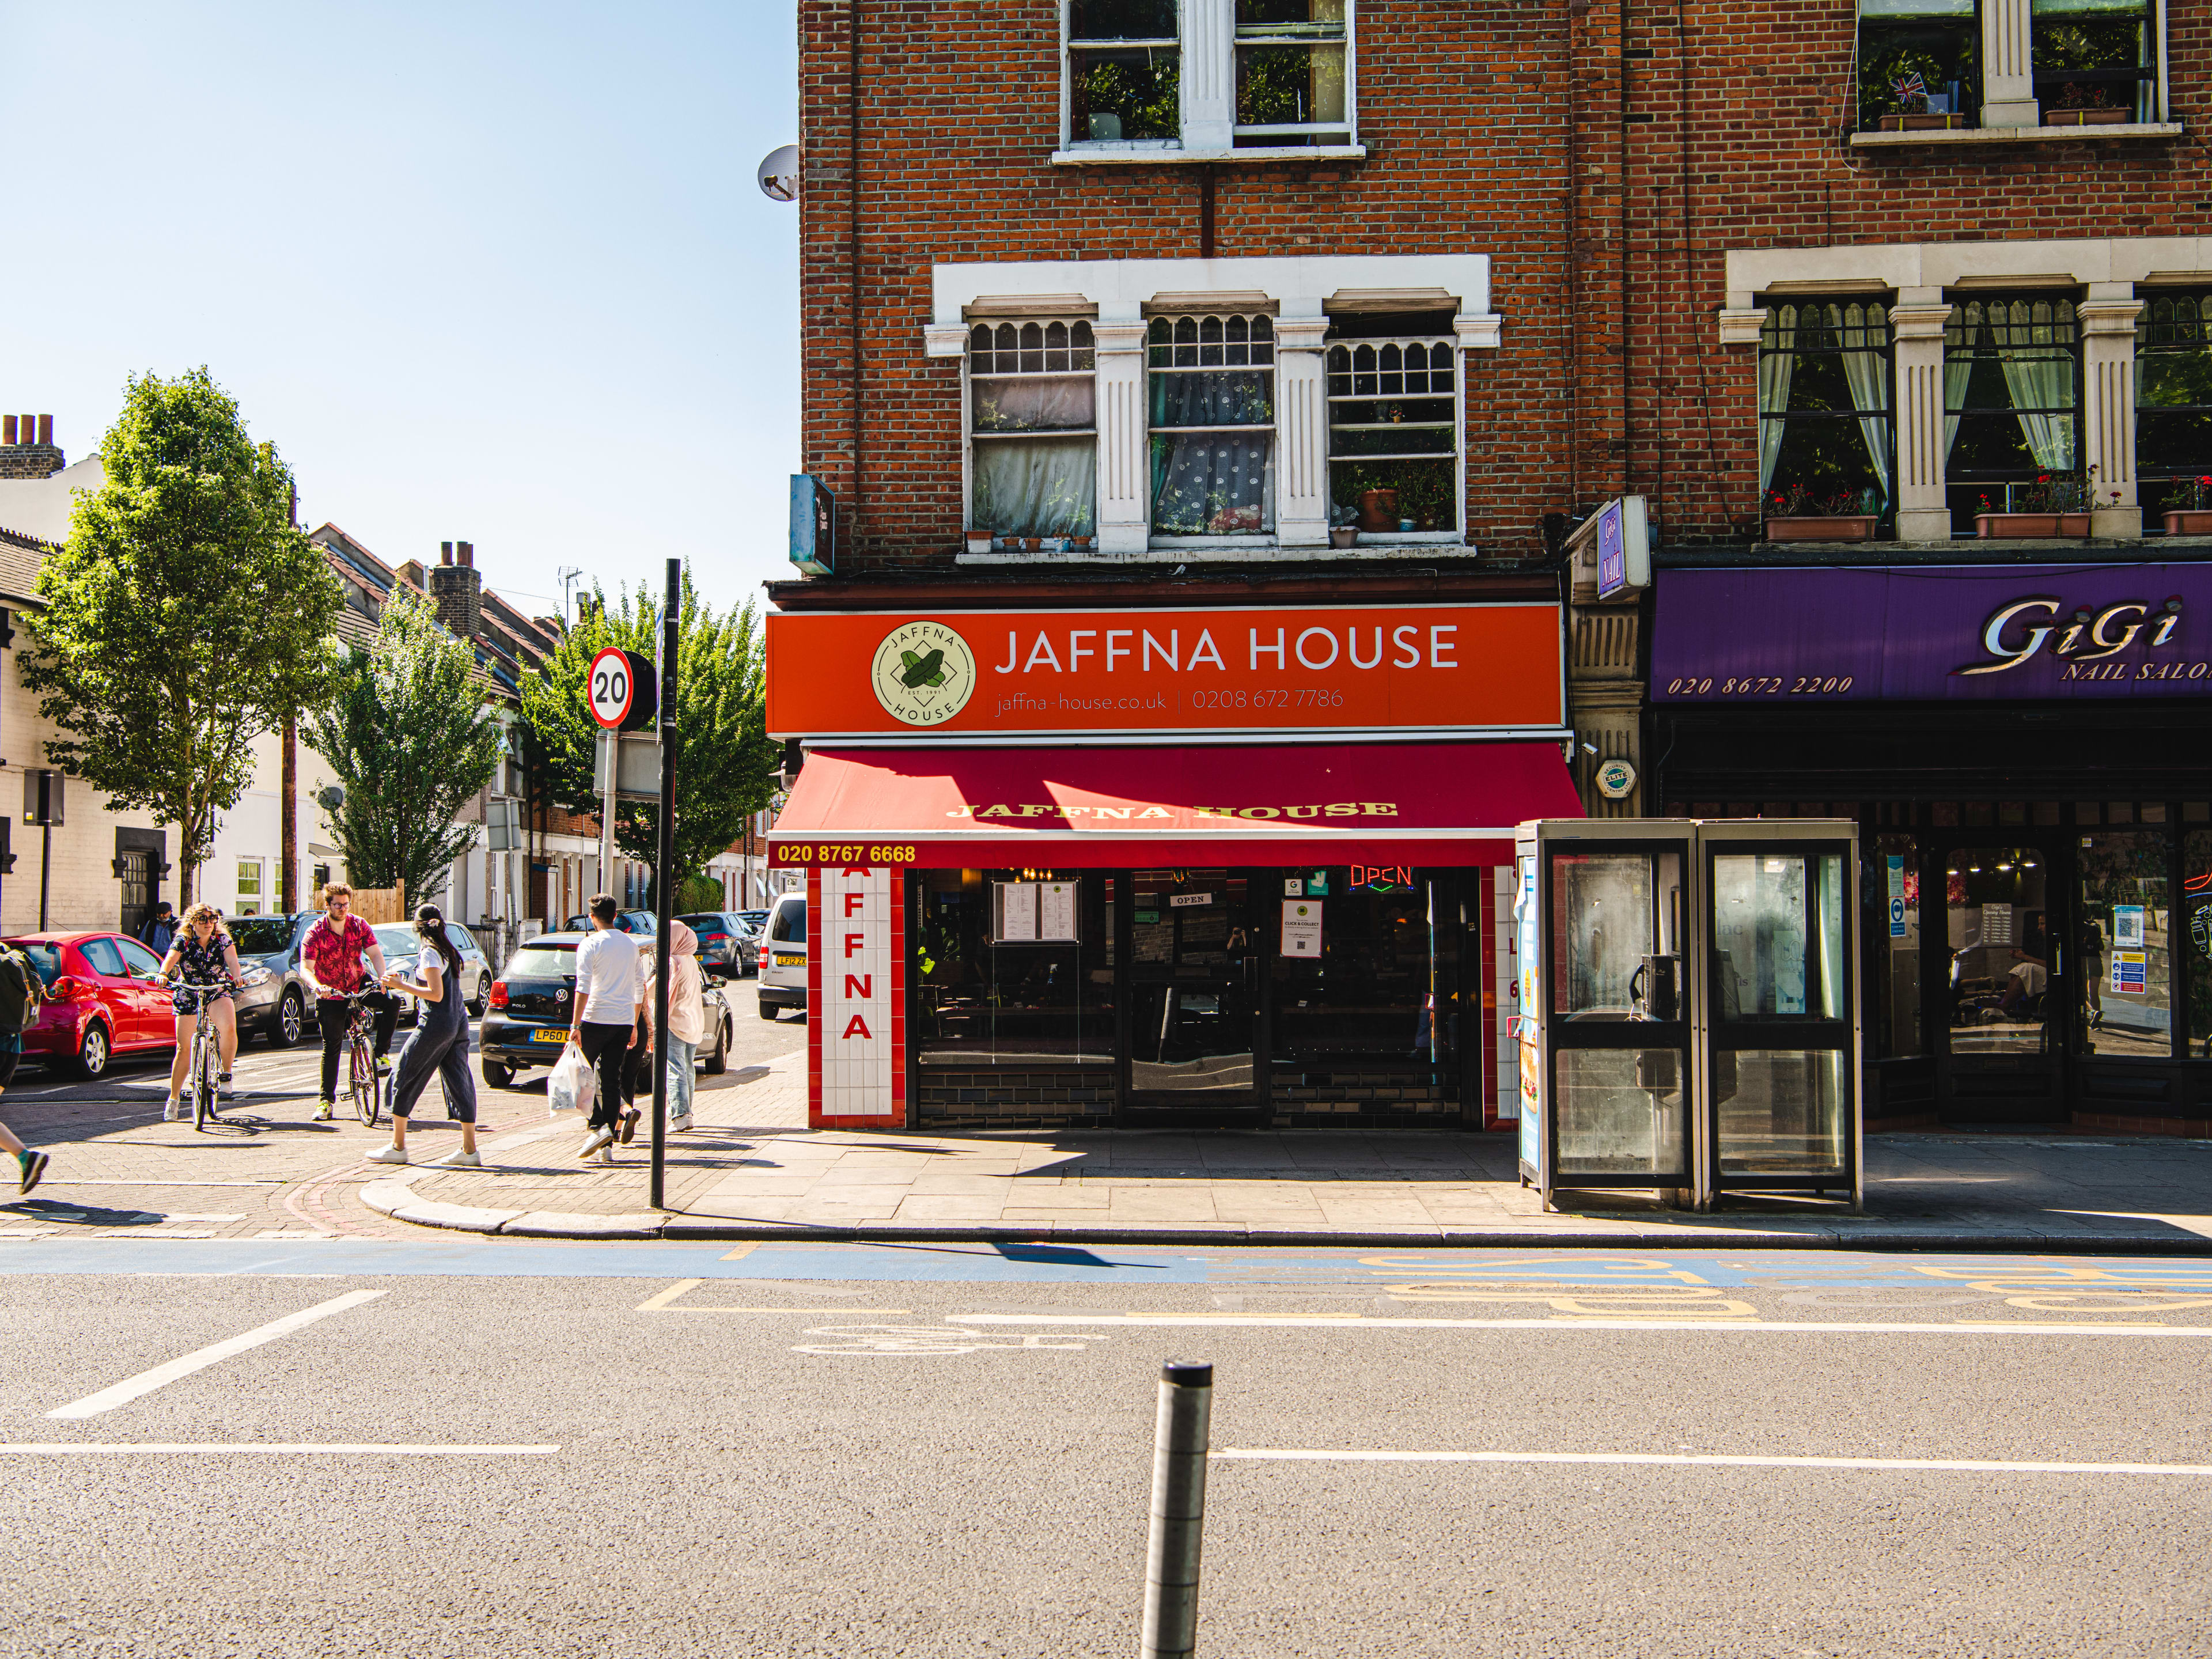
x=719 y=1061
x=92 y=1058
x=482 y=999
x=499 y=1076
x=291 y=1020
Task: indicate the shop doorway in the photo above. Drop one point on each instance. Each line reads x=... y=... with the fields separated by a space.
x=1195 y=1036
x=1999 y=977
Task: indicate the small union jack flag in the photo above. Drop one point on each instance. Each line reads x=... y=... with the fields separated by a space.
x=1909 y=86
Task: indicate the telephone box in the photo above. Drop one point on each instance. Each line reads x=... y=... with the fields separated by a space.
x=1689 y=1007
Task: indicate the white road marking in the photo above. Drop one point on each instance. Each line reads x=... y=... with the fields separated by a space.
x=162 y=1376
x=1573 y=1322
x=107 y=1182
x=299 y=1447
x=1968 y=1465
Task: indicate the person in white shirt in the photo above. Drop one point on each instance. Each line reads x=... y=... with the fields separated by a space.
x=687 y=1016
x=603 y=1022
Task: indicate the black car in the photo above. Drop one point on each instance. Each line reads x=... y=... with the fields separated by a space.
x=534 y=997
x=726 y=945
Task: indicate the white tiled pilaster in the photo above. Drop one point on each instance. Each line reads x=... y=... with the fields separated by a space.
x=1923 y=514
x=1301 y=433
x=2108 y=408
x=1124 y=471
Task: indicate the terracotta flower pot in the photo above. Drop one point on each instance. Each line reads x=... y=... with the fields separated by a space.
x=2086 y=117
x=2031 y=526
x=1922 y=122
x=979 y=541
x=2189 y=521
x=1378 y=509
x=1825 y=527
x=1344 y=535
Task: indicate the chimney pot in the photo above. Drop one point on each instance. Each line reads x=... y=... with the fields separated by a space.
x=445 y=552
x=467 y=552
x=7 y=429
x=45 y=429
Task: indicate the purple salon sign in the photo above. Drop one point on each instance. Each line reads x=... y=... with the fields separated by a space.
x=1934 y=633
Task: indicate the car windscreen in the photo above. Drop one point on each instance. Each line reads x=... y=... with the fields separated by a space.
x=261 y=936
x=542 y=961
x=791 y=924
x=704 y=925
x=399 y=940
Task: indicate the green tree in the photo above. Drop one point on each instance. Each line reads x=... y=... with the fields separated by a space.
x=725 y=763
x=409 y=736
x=184 y=615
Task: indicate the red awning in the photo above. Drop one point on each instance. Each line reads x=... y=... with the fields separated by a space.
x=946 y=807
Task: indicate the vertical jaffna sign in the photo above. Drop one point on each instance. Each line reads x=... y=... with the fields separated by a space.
x=856 y=997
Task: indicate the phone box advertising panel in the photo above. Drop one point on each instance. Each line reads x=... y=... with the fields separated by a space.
x=1933 y=633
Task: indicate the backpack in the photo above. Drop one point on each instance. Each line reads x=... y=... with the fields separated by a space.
x=19 y=991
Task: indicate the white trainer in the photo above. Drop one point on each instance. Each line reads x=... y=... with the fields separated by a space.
x=323 y=1113
x=169 y=1112
x=597 y=1138
x=607 y=1153
x=459 y=1161
x=389 y=1155
x=681 y=1122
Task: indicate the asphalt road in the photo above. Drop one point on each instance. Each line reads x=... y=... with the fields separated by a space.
x=827 y=1450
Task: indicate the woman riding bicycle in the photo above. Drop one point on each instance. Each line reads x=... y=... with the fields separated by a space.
x=202 y=958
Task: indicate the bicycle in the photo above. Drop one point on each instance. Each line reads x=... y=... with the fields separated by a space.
x=207 y=1055
x=363 y=1086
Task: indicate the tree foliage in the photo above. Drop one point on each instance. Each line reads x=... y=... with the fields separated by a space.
x=409 y=737
x=725 y=763
x=184 y=615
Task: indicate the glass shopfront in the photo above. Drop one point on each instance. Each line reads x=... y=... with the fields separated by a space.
x=1233 y=994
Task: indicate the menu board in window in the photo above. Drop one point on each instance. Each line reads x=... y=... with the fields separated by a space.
x=1016 y=906
x=1036 y=912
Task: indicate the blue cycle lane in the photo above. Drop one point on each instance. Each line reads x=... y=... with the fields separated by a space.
x=1053 y=1264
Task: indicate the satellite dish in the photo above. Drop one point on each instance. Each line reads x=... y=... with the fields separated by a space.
x=779 y=174
x=331 y=796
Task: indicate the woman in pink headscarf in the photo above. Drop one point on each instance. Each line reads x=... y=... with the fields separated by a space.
x=687 y=1018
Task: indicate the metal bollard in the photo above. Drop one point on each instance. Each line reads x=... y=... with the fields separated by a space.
x=1179 y=1447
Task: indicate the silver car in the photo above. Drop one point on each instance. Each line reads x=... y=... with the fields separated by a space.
x=282 y=1007
x=401 y=946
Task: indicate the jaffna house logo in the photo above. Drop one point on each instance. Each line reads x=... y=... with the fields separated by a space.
x=2019 y=631
x=924 y=673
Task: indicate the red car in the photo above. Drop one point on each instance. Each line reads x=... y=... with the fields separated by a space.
x=102 y=1000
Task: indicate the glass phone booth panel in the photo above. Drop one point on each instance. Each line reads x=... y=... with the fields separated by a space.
x=1611 y=1020
x=1782 y=1007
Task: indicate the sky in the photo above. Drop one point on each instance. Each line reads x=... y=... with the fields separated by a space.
x=481 y=272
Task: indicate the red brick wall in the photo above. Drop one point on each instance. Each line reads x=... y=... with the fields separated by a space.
x=1466 y=112
x=1767 y=104
x=1460 y=108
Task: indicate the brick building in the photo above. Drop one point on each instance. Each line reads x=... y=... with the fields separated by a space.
x=1116 y=307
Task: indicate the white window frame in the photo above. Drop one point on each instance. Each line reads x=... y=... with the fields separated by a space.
x=1207 y=44
x=1004 y=548
x=250 y=905
x=1223 y=315
x=1457 y=532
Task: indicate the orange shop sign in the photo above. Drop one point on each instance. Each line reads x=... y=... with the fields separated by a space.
x=1333 y=669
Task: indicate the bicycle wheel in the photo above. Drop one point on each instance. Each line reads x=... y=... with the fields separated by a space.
x=361 y=1069
x=203 y=1081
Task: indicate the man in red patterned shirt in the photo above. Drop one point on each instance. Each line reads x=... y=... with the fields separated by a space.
x=330 y=955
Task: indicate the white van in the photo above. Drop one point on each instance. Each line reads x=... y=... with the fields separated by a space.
x=783 y=957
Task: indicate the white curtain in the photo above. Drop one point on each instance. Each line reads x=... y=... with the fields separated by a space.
x=1955 y=376
x=2042 y=382
x=1036 y=486
x=1867 y=374
x=1777 y=360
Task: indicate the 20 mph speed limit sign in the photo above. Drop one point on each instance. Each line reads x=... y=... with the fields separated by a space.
x=622 y=690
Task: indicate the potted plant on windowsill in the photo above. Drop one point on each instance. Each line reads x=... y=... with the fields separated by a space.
x=2057 y=505
x=2196 y=518
x=2081 y=105
x=979 y=541
x=1800 y=516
